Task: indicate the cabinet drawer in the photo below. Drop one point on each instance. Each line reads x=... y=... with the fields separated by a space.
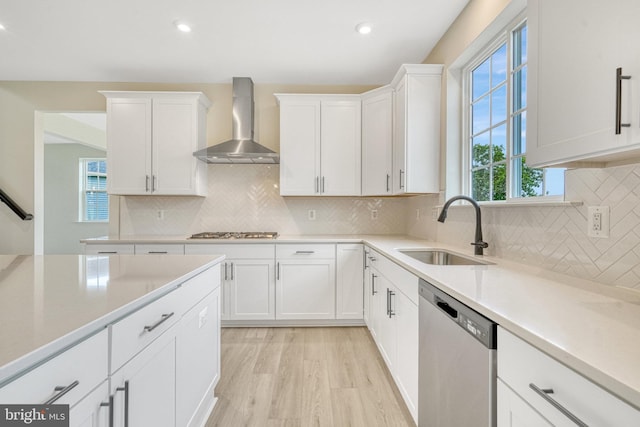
x=136 y=331
x=160 y=249
x=233 y=250
x=198 y=287
x=84 y=364
x=306 y=251
x=119 y=248
x=520 y=365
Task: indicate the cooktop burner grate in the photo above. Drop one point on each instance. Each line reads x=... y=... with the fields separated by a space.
x=235 y=235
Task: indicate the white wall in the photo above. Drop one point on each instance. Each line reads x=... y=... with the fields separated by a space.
x=62 y=230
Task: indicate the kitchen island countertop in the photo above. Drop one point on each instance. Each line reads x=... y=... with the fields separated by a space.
x=50 y=302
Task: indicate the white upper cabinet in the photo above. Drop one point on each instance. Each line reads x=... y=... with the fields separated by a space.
x=320 y=145
x=377 y=142
x=575 y=48
x=416 y=132
x=151 y=137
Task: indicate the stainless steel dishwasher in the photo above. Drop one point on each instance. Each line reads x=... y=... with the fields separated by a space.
x=457 y=363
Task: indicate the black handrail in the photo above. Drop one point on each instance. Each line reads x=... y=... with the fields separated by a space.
x=14 y=207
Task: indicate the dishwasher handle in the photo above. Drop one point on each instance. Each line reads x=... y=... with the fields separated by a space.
x=452 y=312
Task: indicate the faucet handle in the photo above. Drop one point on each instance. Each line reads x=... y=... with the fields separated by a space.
x=480 y=244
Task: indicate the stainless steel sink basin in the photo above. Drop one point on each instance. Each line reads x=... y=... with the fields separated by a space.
x=440 y=257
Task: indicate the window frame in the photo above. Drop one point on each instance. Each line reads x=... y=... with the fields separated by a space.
x=83 y=189
x=502 y=37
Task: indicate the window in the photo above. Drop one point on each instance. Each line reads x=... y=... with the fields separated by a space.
x=94 y=201
x=496 y=103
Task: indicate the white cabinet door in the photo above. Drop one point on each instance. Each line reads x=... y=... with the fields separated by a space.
x=109 y=249
x=92 y=410
x=305 y=289
x=377 y=142
x=251 y=285
x=198 y=361
x=340 y=153
x=406 y=317
x=349 y=281
x=416 y=134
x=145 y=387
x=175 y=138
x=299 y=146
x=385 y=322
x=129 y=145
x=575 y=48
x=151 y=137
x=514 y=412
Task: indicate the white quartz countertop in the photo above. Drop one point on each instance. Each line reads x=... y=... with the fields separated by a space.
x=592 y=328
x=49 y=302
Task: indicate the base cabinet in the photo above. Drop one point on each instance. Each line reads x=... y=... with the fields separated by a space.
x=92 y=411
x=515 y=412
x=349 y=281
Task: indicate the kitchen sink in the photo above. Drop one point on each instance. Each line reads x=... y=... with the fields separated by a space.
x=441 y=257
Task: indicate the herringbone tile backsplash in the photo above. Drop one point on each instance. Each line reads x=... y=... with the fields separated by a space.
x=246 y=198
x=555 y=237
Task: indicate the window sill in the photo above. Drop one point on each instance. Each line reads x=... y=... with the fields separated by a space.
x=519 y=204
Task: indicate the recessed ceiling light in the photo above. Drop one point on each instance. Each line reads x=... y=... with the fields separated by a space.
x=182 y=26
x=363 y=28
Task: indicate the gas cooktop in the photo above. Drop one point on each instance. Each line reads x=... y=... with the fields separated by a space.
x=235 y=235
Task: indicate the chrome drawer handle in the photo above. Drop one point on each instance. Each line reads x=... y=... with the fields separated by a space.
x=110 y=405
x=619 y=124
x=61 y=391
x=158 y=252
x=159 y=322
x=107 y=252
x=305 y=252
x=545 y=392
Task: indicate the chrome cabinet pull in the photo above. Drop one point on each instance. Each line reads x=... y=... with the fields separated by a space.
x=226 y=276
x=158 y=252
x=278 y=271
x=317 y=184
x=401 y=180
x=373 y=284
x=153 y=183
x=366 y=255
x=61 y=391
x=107 y=252
x=388 y=177
x=159 y=322
x=110 y=405
x=391 y=312
x=305 y=252
x=619 y=124
x=146 y=183
x=231 y=268
x=322 y=189
x=545 y=392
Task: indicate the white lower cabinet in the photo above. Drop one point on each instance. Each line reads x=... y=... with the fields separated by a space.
x=144 y=389
x=197 y=361
x=393 y=323
x=93 y=410
x=349 y=281
x=305 y=281
x=109 y=249
x=536 y=390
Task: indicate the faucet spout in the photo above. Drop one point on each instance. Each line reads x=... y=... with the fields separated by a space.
x=478 y=243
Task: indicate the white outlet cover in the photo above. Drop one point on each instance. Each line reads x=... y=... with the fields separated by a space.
x=592 y=213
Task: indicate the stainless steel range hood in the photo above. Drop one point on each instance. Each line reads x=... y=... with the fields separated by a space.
x=242 y=148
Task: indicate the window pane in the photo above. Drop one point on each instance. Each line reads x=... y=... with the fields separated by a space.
x=520 y=46
x=97 y=206
x=480 y=113
x=520 y=89
x=519 y=129
x=480 y=184
x=500 y=182
x=499 y=143
x=499 y=105
x=554 y=181
x=480 y=152
x=499 y=66
x=480 y=79
x=527 y=182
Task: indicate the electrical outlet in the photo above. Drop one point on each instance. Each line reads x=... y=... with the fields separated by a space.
x=374 y=214
x=598 y=221
x=311 y=214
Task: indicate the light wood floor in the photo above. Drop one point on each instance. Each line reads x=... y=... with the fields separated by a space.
x=299 y=377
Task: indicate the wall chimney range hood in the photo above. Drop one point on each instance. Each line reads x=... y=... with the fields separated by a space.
x=242 y=148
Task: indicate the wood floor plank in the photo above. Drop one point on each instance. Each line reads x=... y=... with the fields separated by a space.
x=316 y=395
x=286 y=400
x=341 y=359
x=268 y=358
x=347 y=408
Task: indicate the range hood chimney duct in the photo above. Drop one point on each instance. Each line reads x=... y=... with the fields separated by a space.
x=242 y=148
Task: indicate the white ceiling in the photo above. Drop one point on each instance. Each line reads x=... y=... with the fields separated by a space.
x=272 y=41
